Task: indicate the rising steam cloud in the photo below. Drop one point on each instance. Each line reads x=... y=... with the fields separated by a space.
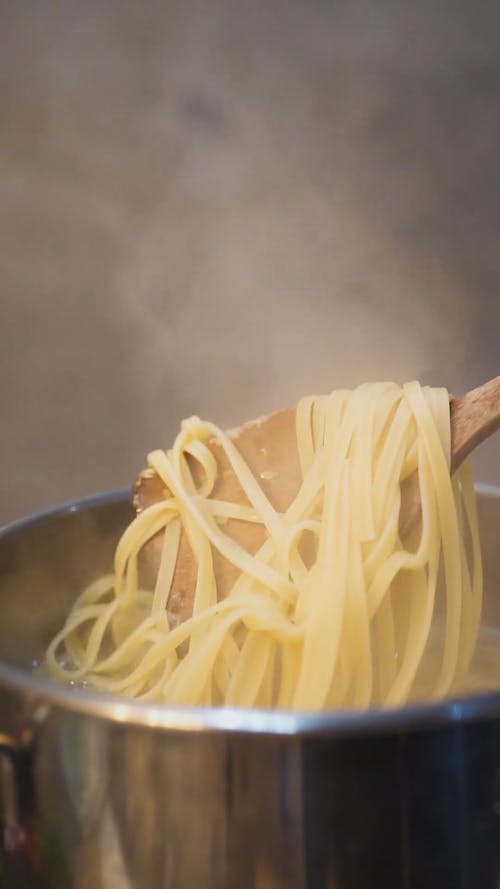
x=292 y=251
x=216 y=208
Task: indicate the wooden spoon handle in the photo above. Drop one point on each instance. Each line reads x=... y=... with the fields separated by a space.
x=474 y=417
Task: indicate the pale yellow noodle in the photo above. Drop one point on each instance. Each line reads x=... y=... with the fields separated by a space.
x=334 y=609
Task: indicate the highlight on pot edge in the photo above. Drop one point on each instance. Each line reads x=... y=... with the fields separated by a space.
x=275 y=568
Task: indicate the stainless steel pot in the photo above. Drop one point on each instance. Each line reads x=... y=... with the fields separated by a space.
x=100 y=792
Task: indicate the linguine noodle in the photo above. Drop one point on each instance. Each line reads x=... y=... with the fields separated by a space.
x=334 y=610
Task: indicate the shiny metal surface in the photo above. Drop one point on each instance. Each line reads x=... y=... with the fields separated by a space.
x=98 y=792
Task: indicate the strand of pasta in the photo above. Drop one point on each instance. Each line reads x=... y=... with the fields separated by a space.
x=334 y=609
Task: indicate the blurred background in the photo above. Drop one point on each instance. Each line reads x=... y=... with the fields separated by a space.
x=216 y=207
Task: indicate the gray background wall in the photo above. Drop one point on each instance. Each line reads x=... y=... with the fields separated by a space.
x=215 y=207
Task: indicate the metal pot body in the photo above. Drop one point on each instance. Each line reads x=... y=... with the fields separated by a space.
x=108 y=795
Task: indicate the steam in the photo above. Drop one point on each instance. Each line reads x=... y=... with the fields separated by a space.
x=269 y=312
x=298 y=245
x=216 y=208
x=245 y=296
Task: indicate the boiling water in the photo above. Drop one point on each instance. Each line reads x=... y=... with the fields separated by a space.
x=483 y=675
x=484 y=671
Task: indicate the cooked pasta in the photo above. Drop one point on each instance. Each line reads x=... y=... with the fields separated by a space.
x=335 y=609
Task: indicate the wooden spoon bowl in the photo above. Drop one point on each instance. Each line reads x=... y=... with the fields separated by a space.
x=269 y=447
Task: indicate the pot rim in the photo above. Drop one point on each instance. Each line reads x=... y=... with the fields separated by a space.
x=232 y=719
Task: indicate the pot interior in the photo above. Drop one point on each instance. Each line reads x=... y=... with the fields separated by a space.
x=46 y=561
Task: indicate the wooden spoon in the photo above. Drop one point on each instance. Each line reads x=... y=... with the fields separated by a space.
x=269 y=447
